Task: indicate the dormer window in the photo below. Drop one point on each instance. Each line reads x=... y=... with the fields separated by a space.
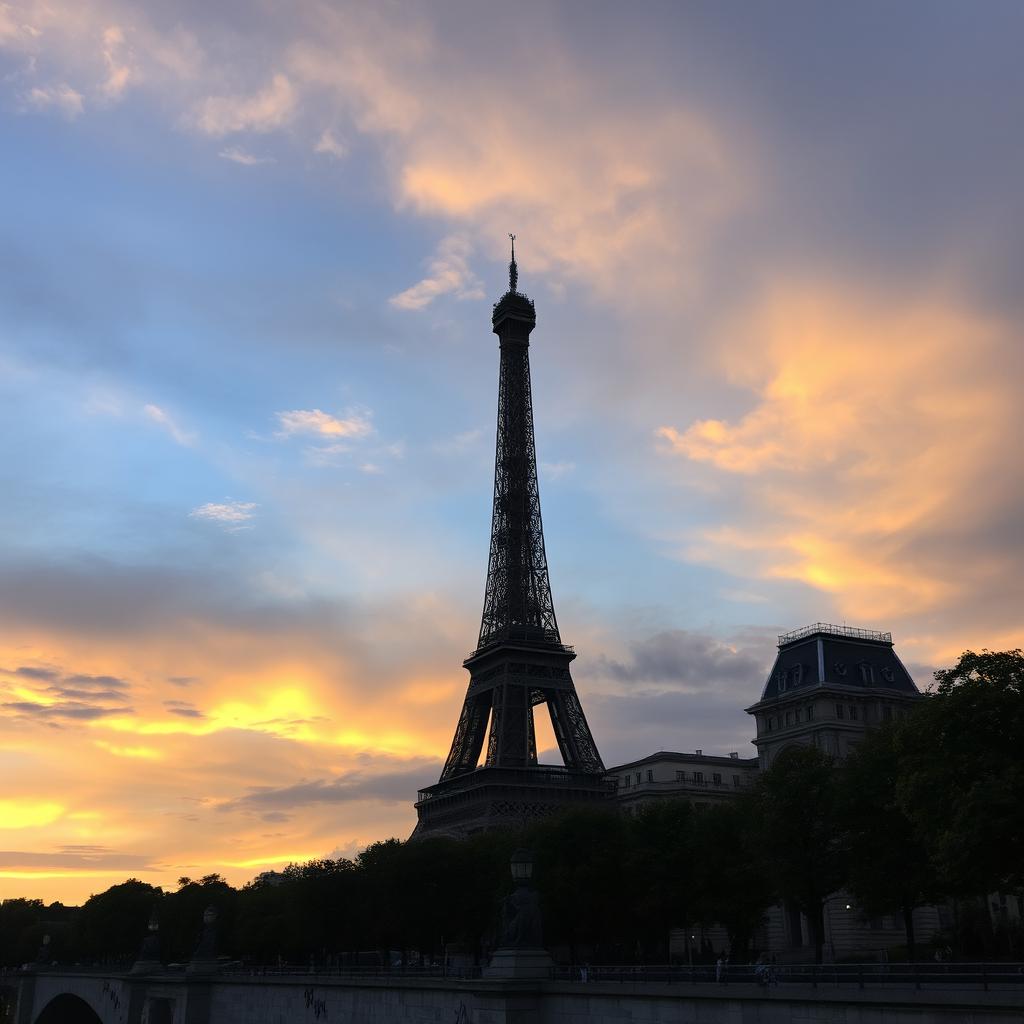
x=798 y=674
x=867 y=673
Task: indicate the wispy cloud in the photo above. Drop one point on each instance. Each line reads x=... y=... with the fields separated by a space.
x=449 y=274
x=233 y=515
x=164 y=419
x=263 y=111
x=556 y=470
x=241 y=156
x=314 y=421
x=329 y=145
x=119 y=69
x=60 y=97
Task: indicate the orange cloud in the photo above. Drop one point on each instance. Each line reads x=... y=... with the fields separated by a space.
x=876 y=419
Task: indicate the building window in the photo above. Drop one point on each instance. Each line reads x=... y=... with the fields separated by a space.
x=736 y=781
x=698 y=777
x=625 y=782
x=867 y=673
x=638 y=778
x=789 y=718
x=650 y=775
x=887 y=714
x=840 y=711
x=680 y=776
x=771 y=723
x=853 y=712
x=810 y=712
x=797 y=713
x=716 y=778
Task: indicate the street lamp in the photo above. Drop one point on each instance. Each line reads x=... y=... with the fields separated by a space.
x=521 y=864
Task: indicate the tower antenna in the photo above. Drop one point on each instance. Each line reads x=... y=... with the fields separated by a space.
x=513 y=270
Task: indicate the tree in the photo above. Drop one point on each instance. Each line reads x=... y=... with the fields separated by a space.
x=583 y=879
x=662 y=871
x=181 y=917
x=889 y=866
x=730 y=882
x=798 y=832
x=962 y=772
x=113 y=922
x=18 y=917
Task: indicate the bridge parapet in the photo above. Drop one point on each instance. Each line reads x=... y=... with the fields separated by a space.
x=89 y=997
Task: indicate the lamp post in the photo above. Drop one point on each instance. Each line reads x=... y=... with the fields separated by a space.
x=521 y=952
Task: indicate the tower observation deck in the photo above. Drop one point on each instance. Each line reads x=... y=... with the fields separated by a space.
x=520 y=663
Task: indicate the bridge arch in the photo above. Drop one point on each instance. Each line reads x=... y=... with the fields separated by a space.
x=68 y=1009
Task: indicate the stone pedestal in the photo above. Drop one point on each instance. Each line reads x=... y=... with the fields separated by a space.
x=520 y=963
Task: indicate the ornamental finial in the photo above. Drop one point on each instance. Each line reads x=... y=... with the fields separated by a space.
x=513 y=270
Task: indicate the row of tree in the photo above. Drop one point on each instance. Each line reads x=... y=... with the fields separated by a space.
x=927 y=809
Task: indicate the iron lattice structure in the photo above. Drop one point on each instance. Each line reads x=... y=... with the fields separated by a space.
x=520 y=662
x=517 y=599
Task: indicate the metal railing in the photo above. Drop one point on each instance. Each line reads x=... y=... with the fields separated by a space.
x=924 y=975
x=528 y=636
x=833 y=630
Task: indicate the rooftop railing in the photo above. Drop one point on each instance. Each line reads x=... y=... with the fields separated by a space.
x=833 y=630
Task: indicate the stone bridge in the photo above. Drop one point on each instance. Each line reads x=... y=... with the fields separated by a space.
x=55 y=996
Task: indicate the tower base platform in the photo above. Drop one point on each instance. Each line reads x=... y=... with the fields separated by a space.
x=492 y=798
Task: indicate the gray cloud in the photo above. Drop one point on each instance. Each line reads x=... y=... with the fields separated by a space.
x=73 y=710
x=36 y=673
x=687 y=660
x=183 y=708
x=386 y=786
x=275 y=816
x=77 y=857
x=104 y=683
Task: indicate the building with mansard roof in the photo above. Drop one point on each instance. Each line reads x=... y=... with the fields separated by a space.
x=829 y=684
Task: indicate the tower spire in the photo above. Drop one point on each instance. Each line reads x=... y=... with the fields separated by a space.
x=513 y=270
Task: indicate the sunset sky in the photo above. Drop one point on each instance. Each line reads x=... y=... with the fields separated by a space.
x=248 y=385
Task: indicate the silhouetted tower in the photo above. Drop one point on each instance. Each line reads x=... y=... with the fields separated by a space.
x=520 y=662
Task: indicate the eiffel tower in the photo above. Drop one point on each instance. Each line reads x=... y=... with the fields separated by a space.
x=520 y=662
